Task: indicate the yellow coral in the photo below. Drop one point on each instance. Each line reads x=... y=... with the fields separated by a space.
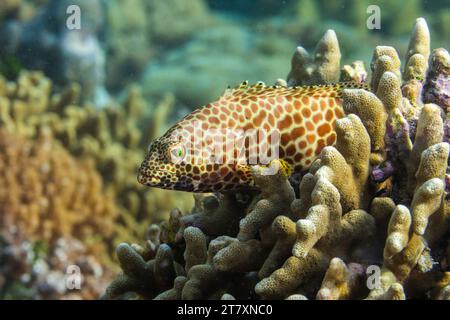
x=291 y=248
x=111 y=137
x=48 y=194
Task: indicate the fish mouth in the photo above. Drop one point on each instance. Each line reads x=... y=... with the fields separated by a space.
x=148 y=181
x=143 y=177
x=155 y=182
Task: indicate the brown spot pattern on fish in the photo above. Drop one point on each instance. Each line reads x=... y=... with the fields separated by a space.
x=303 y=117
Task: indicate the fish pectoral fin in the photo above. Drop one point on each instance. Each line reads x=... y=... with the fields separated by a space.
x=285 y=168
x=275 y=166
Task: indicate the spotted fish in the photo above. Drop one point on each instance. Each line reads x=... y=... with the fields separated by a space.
x=196 y=155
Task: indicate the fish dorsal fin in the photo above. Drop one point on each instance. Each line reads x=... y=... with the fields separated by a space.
x=243 y=85
x=335 y=86
x=261 y=87
x=246 y=87
x=351 y=85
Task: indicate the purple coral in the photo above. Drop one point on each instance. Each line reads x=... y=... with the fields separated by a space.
x=437 y=84
x=397 y=136
x=382 y=172
x=447 y=130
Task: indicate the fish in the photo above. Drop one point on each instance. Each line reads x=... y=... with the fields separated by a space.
x=213 y=148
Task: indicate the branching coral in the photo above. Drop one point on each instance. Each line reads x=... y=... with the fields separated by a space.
x=69 y=171
x=321 y=224
x=322 y=68
x=48 y=194
x=48 y=200
x=146 y=278
x=111 y=137
x=340 y=281
x=377 y=198
x=271 y=204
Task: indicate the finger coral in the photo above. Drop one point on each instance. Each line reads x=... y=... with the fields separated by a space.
x=110 y=137
x=49 y=194
x=49 y=200
x=368 y=220
x=69 y=171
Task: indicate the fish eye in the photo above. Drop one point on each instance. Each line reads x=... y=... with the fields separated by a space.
x=176 y=153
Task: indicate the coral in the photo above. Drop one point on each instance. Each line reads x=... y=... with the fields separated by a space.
x=174 y=20
x=109 y=30
x=147 y=278
x=322 y=68
x=30 y=270
x=75 y=177
x=76 y=54
x=127 y=28
x=319 y=210
x=150 y=28
x=270 y=204
x=196 y=247
x=70 y=186
x=436 y=87
x=340 y=280
x=47 y=194
x=50 y=200
x=216 y=52
x=212 y=214
x=377 y=198
x=110 y=137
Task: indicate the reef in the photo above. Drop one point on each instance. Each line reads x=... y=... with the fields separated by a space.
x=54 y=214
x=266 y=33
x=369 y=220
x=68 y=176
x=217 y=51
x=170 y=39
x=150 y=27
x=97 y=56
x=110 y=138
x=76 y=54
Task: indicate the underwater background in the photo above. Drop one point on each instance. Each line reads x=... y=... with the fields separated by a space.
x=79 y=107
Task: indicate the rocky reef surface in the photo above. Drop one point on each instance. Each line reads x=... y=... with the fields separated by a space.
x=376 y=201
